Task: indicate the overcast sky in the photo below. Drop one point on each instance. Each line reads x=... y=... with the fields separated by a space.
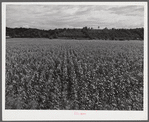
x=74 y=16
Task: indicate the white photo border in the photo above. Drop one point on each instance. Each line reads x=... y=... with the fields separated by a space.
x=19 y=115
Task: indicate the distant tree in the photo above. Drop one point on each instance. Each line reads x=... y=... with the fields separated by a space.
x=55 y=35
x=105 y=28
x=85 y=28
x=112 y=34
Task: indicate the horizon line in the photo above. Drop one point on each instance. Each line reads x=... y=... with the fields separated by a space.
x=74 y=28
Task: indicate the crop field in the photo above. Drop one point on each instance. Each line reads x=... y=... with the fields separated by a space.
x=74 y=74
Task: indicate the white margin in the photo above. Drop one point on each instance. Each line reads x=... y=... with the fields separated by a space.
x=3 y=6
x=11 y=115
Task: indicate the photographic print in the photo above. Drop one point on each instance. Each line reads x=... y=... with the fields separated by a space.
x=75 y=57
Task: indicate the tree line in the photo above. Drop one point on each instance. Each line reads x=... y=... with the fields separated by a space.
x=75 y=33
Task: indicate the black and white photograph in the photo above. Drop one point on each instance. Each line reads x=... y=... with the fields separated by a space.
x=75 y=57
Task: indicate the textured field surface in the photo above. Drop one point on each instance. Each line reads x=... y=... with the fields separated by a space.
x=74 y=74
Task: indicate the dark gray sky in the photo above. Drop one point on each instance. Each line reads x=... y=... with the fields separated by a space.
x=75 y=16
